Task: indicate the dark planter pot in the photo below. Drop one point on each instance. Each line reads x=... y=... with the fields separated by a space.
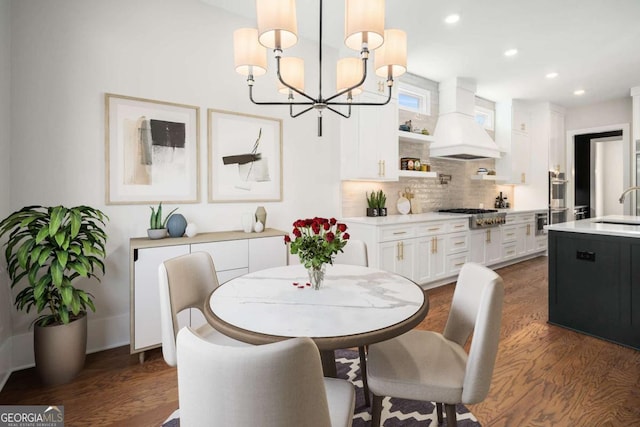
x=382 y=211
x=372 y=211
x=60 y=350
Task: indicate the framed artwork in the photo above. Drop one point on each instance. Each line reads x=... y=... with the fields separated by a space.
x=152 y=151
x=245 y=157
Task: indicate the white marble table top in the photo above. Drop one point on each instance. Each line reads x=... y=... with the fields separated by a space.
x=353 y=300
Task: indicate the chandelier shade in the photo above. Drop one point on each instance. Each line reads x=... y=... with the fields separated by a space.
x=348 y=74
x=249 y=56
x=391 y=58
x=277 y=23
x=363 y=24
x=292 y=72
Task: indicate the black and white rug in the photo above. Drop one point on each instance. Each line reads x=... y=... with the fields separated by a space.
x=395 y=412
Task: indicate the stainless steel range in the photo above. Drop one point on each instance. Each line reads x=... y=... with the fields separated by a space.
x=480 y=218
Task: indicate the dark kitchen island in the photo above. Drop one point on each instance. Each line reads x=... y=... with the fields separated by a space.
x=594 y=277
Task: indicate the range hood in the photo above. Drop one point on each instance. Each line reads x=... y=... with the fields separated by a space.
x=458 y=136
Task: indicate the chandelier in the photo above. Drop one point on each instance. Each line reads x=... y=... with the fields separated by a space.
x=364 y=32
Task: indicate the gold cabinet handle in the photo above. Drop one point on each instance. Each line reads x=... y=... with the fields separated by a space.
x=460 y=264
x=488 y=236
x=434 y=229
x=399 y=232
x=402 y=250
x=433 y=248
x=458 y=226
x=528 y=229
x=458 y=243
x=510 y=234
x=435 y=240
x=510 y=253
x=384 y=168
x=523 y=178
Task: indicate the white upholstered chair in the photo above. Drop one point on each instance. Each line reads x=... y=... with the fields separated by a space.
x=271 y=385
x=186 y=282
x=429 y=366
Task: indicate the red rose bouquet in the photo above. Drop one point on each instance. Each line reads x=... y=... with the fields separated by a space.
x=316 y=241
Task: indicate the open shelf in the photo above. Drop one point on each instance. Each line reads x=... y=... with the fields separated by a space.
x=489 y=178
x=415 y=137
x=417 y=174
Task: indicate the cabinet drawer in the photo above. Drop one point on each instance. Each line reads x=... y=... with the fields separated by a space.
x=509 y=251
x=520 y=218
x=458 y=242
x=455 y=262
x=396 y=233
x=431 y=228
x=458 y=225
x=541 y=243
x=227 y=255
x=509 y=234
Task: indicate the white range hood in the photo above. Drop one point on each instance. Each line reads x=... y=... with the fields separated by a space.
x=458 y=136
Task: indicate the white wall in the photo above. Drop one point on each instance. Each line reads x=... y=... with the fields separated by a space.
x=601 y=114
x=5 y=137
x=68 y=53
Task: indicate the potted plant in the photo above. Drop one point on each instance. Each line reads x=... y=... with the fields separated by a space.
x=372 y=204
x=158 y=227
x=48 y=248
x=382 y=203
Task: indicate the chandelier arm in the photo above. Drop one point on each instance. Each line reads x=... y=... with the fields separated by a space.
x=298 y=113
x=340 y=113
x=276 y=102
x=385 y=102
x=287 y=84
x=365 y=51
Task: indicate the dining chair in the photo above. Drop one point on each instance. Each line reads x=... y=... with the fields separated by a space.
x=434 y=367
x=185 y=282
x=271 y=385
x=355 y=253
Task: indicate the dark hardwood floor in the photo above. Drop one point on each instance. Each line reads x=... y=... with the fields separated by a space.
x=544 y=376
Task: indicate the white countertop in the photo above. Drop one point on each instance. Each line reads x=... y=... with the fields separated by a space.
x=422 y=217
x=595 y=226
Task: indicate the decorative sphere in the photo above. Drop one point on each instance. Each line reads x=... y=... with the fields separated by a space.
x=191 y=230
x=259 y=228
x=176 y=225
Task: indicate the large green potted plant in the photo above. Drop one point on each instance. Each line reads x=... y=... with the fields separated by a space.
x=47 y=250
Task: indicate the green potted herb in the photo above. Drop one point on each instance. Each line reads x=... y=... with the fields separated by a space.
x=372 y=204
x=382 y=203
x=48 y=248
x=158 y=227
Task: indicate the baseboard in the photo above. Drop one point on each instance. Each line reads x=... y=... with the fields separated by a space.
x=102 y=334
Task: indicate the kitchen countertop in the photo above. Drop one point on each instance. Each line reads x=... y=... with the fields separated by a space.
x=403 y=219
x=593 y=226
x=519 y=211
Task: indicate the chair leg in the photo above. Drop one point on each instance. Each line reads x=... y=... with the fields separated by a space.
x=451 y=415
x=376 y=411
x=363 y=373
x=439 y=412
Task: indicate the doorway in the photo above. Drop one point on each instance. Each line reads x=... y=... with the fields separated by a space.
x=599 y=161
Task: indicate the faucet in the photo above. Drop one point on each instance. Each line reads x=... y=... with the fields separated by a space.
x=624 y=193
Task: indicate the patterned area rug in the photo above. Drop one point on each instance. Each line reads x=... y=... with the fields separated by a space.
x=395 y=412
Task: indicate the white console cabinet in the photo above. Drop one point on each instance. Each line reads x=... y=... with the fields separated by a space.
x=234 y=253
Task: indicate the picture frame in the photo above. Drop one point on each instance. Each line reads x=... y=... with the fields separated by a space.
x=244 y=157
x=152 y=151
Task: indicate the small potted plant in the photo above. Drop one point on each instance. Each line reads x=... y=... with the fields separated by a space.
x=47 y=250
x=372 y=204
x=158 y=227
x=382 y=203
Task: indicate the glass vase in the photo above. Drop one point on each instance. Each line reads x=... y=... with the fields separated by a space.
x=316 y=276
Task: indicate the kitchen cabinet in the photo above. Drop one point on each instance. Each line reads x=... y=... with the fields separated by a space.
x=234 y=254
x=369 y=143
x=594 y=285
x=398 y=257
x=486 y=246
x=513 y=121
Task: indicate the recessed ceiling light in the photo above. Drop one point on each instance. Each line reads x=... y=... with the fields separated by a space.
x=452 y=19
x=510 y=52
x=579 y=92
x=552 y=75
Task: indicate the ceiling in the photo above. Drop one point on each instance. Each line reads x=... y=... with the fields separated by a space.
x=593 y=45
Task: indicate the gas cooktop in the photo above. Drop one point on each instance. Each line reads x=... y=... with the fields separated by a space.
x=480 y=218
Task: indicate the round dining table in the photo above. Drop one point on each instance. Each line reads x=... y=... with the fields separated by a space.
x=354 y=307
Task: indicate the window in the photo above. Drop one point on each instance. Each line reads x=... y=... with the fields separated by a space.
x=484 y=117
x=413 y=98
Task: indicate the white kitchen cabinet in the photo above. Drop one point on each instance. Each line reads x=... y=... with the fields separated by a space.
x=486 y=246
x=398 y=257
x=234 y=253
x=513 y=121
x=369 y=142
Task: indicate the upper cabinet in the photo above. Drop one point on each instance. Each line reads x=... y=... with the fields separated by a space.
x=369 y=141
x=513 y=122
